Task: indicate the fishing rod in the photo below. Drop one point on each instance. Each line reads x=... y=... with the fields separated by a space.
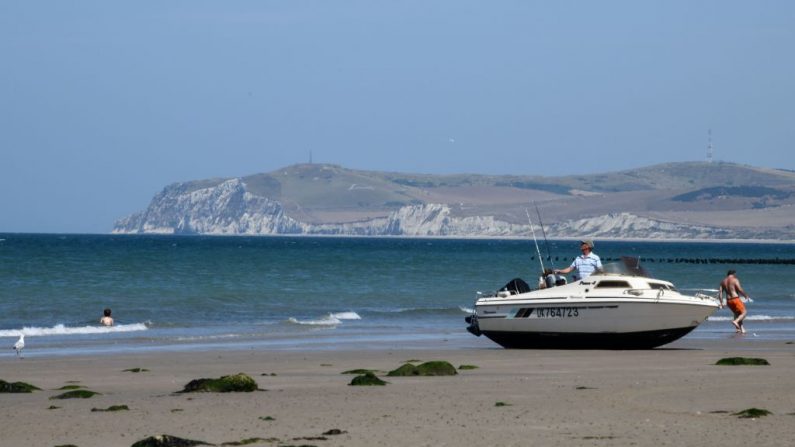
x=535 y=241
x=546 y=242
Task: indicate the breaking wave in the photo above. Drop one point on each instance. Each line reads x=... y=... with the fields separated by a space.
x=331 y=319
x=60 y=329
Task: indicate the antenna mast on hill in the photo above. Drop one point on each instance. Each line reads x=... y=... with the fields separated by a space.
x=310 y=157
x=709 y=146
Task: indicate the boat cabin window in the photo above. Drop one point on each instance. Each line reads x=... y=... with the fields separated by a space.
x=612 y=285
x=660 y=286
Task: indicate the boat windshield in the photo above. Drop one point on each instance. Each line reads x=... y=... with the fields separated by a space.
x=628 y=265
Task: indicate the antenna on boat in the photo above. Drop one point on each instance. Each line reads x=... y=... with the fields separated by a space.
x=534 y=240
x=546 y=242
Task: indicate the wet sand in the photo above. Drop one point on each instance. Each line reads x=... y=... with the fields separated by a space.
x=675 y=396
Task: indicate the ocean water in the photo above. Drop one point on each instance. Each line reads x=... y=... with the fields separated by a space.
x=197 y=292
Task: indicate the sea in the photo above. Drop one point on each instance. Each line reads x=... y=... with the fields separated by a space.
x=181 y=293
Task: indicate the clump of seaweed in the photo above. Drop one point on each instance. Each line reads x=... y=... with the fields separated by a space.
x=113 y=408
x=334 y=431
x=466 y=367
x=359 y=371
x=752 y=413
x=432 y=368
x=247 y=441
x=238 y=383
x=742 y=361
x=70 y=387
x=581 y=387
x=267 y=418
x=167 y=441
x=53 y=407
x=135 y=370
x=501 y=404
x=17 y=387
x=76 y=394
x=367 y=379
x=65 y=445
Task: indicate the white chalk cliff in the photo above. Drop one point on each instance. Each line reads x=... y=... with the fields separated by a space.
x=229 y=209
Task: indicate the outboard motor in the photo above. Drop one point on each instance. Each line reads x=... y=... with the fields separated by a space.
x=551 y=279
x=473 y=327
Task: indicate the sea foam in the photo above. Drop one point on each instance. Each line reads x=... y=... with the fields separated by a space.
x=60 y=329
x=331 y=319
x=346 y=316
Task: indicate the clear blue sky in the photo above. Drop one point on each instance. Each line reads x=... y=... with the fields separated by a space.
x=103 y=103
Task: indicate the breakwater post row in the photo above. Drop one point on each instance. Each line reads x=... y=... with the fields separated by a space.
x=771 y=261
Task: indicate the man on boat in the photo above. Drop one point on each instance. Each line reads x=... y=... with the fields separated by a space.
x=731 y=286
x=585 y=264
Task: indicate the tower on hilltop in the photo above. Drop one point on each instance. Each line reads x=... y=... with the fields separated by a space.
x=709 y=146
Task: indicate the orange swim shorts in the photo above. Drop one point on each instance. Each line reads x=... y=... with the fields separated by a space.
x=736 y=305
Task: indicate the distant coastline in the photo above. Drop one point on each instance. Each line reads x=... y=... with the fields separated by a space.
x=674 y=201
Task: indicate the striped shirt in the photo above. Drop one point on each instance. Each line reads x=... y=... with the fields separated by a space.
x=586 y=265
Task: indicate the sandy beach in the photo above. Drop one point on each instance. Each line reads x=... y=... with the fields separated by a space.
x=675 y=396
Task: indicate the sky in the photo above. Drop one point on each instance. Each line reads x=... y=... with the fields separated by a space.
x=102 y=104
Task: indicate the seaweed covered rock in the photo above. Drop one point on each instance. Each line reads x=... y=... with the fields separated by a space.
x=76 y=394
x=742 y=361
x=167 y=441
x=433 y=368
x=17 y=387
x=227 y=384
x=752 y=413
x=406 y=369
x=367 y=379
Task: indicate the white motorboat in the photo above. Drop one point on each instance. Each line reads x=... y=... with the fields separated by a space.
x=619 y=308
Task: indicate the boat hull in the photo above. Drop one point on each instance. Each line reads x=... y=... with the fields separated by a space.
x=607 y=311
x=586 y=340
x=623 y=323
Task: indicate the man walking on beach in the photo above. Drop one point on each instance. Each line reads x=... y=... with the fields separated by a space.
x=731 y=286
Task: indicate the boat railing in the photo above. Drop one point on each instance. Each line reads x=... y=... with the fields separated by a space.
x=704 y=294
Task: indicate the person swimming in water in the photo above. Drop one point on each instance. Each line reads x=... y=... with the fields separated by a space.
x=106 y=319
